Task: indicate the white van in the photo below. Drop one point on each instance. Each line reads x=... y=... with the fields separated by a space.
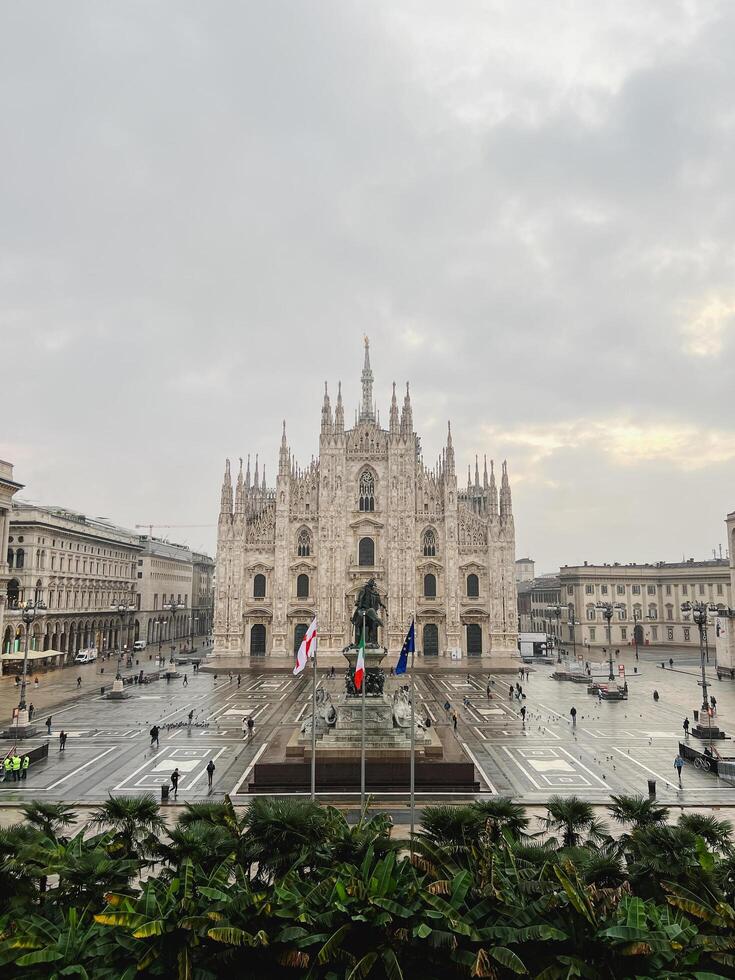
x=139 y=645
x=87 y=656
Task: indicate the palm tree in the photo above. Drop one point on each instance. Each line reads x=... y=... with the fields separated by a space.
x=573 y=817
x=637 y=811
x=49 y=818
x=134 y=822
x=445 y=825
x=283 y=833
x=500 y=816
x=717 y=834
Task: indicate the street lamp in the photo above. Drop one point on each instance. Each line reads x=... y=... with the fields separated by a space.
x=556 y=611
x=572 y=621
x=607 y=611
x=173 y=607
x=700 y=611
x=124 y=611
x=30 y=609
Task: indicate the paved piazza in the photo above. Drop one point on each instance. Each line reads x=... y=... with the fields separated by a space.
x=616 y=747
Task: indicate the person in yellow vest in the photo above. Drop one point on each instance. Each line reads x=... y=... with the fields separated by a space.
x=16 y=766
x=7 y=767
x=25 y=763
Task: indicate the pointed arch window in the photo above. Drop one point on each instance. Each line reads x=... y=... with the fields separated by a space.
x=429 y=543
x=366 y=491
x=473 y=586
x=366 y=552
x=430 y=586
x=302 y=587
x=259 y=587
x=303 y=544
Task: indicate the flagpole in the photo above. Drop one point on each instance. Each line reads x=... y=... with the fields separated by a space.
x=362 y=727
x=313 y=727
x=413 y=736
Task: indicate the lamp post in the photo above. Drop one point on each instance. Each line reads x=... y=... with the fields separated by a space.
x=607 y=611
x=124 y=611
x=173 y=607
x=30 y=609
x=700 y=611
x=572 y=621
x=556 y=611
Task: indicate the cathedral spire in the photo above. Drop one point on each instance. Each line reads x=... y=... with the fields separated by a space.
x=339 y=412
x=407 y=415
x=327 y=424
x=256 y=480
x=226 y=499
x=450 y=451
x=506 y=505
x=493 y=491
x=239 y=493
x=247 y=474
x=477 y=473
x=393 y=424
x=484 y=476
x=284 y=456
x=366 y=410
x=263 y=486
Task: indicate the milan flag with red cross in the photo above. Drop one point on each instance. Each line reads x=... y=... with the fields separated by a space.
x=307 y=649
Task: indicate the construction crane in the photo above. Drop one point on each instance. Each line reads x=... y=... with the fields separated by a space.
x=151 y=526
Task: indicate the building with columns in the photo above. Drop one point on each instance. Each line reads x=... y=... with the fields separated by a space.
x=367 y=506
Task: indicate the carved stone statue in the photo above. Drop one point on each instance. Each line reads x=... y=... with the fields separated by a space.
x=326 y=714
x=367 y=606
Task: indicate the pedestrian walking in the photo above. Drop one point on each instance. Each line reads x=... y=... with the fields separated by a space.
x=671 y=663
x=25 y=763
x=466 y=701
x=154 y=733
x=528 y=673
x=191 y=717
x=251 y=727
x=685 y=726
x=447 y=706
x=331 y=671
x=239 y=680
x=468 y=679
x=16 y=766
x=186 y=681
x=31 y=711
x=210 y=772
x=244 y=726
x=679 y=765
x=229 y=678
x=454 y=720
x=391 y=670
x=79 y=682
x=35 y=682
x=489 y=693
x=713 y=702
x=175 y=781
x=62 y=740
x=510 y=693
x=215 y=680
x=573 y=713
x=48 y=725
x=523 y=715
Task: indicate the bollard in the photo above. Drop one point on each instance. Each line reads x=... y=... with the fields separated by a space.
x=696 y=715
x=651 y=789
x=164 y=792
x=102 y=689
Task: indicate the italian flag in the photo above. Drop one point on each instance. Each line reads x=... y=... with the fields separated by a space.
x=360 y=665
x=307 y=648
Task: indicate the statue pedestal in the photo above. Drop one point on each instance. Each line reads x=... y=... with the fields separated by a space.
x=118 y=692
x=20 y=727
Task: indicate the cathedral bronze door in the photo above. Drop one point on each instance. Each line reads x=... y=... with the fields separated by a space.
x=298 y=634
x=431 y=640
x=474 y=640
x=257 y=640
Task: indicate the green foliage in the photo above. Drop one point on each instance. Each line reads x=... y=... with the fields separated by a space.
x=291 y=889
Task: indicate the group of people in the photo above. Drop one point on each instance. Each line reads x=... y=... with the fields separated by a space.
x=15 y=767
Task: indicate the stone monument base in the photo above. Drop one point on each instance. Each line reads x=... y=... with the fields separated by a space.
x=118 y=692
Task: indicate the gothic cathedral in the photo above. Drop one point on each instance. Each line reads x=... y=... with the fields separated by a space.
x=367 y=507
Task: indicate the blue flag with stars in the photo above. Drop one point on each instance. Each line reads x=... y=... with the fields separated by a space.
x=408 y=647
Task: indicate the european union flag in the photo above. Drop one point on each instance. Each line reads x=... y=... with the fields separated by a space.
x=408 y=647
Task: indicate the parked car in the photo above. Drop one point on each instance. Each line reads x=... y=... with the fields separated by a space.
x=87 y=656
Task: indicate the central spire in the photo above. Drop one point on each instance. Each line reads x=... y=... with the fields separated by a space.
x=367 y=409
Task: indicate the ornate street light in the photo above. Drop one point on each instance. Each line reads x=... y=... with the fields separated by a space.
x=700 y=612
x=30 y=609
x=572 y=621
x=124 y=610
x=173 y=607
x=608 y=609
x=556 y=611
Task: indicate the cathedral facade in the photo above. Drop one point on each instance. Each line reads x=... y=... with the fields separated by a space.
x=367 y=507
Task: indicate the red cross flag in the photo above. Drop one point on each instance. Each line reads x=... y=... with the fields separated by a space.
x=307 y=648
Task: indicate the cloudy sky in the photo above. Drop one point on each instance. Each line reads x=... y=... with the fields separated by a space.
x=528 y=206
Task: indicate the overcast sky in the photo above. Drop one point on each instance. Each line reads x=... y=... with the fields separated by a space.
x=528 y=206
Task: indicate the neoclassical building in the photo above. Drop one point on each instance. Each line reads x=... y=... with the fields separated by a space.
x=367 y=506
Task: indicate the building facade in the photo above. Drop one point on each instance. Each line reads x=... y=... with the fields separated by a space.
x=202 y=595
x=165 y=575
x=650 y=597
x=368 y=506
x=79 y=567
x=525 y=570
x=534 y=601
x=8 y=488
